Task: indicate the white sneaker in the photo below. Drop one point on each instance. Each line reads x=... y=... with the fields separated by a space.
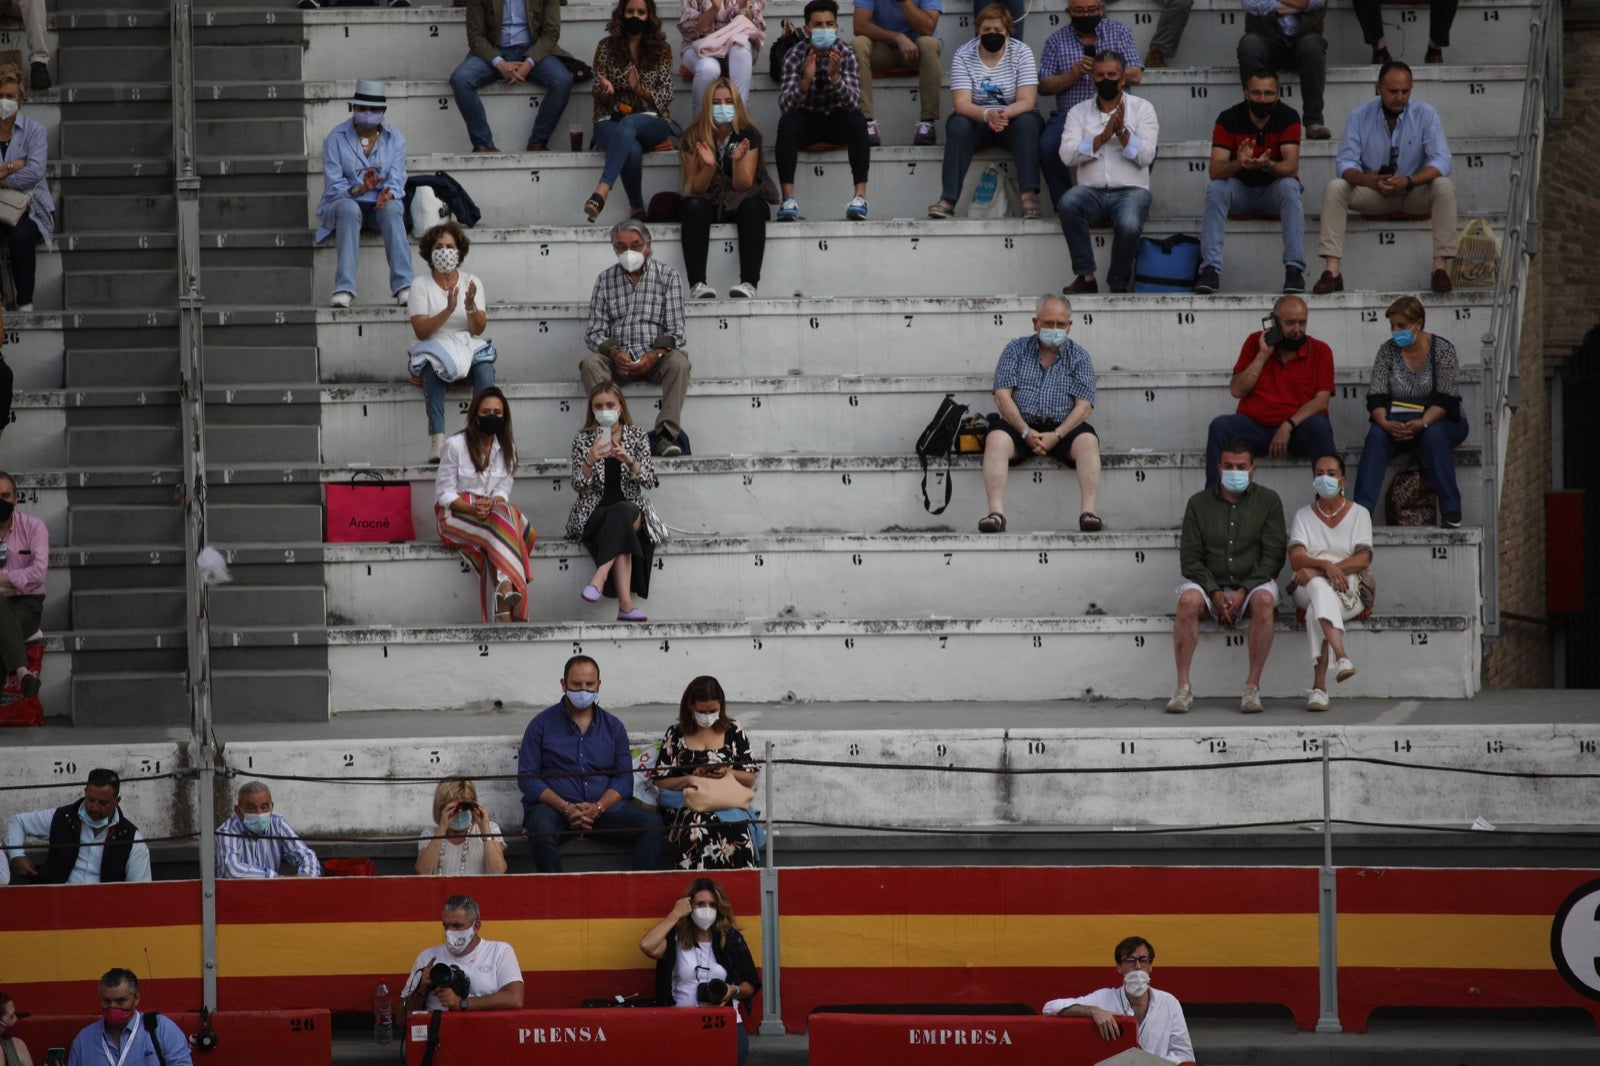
x=1346 y=670
x=402 y=296
x=1182 y=699
x=1317 y=701
x=744 y=290
x=342 y=299
x=435 y=445
x=702 y=291
x=856 y=209
x=1250 y=702
x=26 y=309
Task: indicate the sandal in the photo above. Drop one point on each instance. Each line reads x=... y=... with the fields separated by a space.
x=1090 y=522
x=1030 y=205
x=1435 y=54
x=993 y=522
x=508 y=597
x=593 y=206
x=941 y=208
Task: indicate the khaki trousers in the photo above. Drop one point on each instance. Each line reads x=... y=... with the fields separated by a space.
x=671 y=373
x=1438 y=197
x=873 y=56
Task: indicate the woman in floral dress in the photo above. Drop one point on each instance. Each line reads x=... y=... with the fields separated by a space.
x=705 y=743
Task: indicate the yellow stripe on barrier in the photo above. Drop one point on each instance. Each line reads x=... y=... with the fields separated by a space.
x=966 y=940
x=1445 y=941
x=155 y=951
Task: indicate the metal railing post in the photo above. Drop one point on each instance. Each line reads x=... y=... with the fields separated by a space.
x=1327 y=911
x=771 y=971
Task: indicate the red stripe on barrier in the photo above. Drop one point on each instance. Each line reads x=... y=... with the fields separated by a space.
x=30 y=908
x=1389 y=890
x=559 y=1038
x=167 y=995
x=1048 y=890
x=957 y=1040
x=244 y=1038
x=1365 y=989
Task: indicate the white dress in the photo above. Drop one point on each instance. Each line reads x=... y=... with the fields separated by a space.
x=1319 y=600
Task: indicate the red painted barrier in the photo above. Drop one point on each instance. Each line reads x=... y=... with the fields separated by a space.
x=956 y=1040
x=560 y=1037
x=244 y=1038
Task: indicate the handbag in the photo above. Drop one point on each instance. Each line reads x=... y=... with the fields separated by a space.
x=939 y=438
x=718 y=794
x=1477 y=261
x=652 y=521
x=996 y=195
x=13 y=205
x=1358 y=595
x=368 y=509
x=1171 y=264
x=1410 y=500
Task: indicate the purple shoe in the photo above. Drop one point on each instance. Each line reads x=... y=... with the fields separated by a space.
x=634 y=615
x=590 y=594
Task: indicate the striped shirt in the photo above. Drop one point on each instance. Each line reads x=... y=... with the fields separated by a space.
x=994 y=86
x=1045 y=394
x=240 y=853
x=1063 y=50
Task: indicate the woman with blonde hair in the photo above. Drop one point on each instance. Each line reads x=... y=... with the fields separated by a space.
x=725 y=179
x=611 y=469
x=464 y=840
x=23 y=154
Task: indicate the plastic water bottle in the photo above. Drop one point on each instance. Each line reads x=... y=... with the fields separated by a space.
x=382 y=1016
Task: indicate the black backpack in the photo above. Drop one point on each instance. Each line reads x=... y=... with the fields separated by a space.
x=939 y=439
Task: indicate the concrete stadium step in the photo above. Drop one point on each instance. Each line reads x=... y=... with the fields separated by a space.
x=859 y=416
x=1481 y=101
x=238 y=135
x=430 y=39
x=1419 y=571
x=34 y=347
x=163 y=526
x=232 y=605
x=904 y=180
x=254 y=210
x=854 y=335
x=114 y=367
x=160 y=445
x=157 y=699
x=120 y=288
x=263 y=62
x=907 y=258
x=401 y=668
x=143 y=138
x=253 y=365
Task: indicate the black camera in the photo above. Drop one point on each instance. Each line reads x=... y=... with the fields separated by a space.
x=56 y=1056
x=444 y=975
x=713 y=991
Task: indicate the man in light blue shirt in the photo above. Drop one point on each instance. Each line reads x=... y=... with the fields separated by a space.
x=1393 y=157
x=257 y=840
x=123 y=1036
x=514 y=42
x=90 y=841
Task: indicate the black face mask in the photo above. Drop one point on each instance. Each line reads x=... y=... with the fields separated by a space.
x=491 y=424
x=6 y=507
x=1293 y=344
x=1261 y=110
x=992 y=42
x=634 y=26
x=1108 y=89
x=1084 y=25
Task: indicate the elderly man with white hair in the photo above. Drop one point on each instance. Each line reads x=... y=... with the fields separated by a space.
x=256 y=841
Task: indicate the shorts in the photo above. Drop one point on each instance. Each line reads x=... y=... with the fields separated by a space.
x=1061 y=453
x=1209 y=622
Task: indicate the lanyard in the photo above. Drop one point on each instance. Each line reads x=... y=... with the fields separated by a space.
x=127 y=1045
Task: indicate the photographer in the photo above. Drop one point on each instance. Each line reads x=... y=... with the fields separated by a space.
x=466 y=972
x=701 y=957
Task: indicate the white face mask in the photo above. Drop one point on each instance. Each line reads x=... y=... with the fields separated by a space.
x=456 y=940
x=706 y=721
x=607 y=416
x=8 y=107
x=631 y=260
x=1136 y=983
x=703 y=917
x=445 y=259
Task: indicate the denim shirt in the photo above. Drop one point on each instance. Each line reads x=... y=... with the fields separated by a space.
x=343 y=164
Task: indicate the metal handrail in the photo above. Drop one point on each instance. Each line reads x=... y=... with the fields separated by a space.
x=1502 y=342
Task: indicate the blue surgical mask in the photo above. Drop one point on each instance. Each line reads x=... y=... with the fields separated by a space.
x=607 y=416
x=1053 y=338
x=369 y=119
x=722 y=114
x=823 y=39
x=94 y=823
x=1405 y=338
x=1325 y=486
x=581 y=699
x=1236 y=480
x=257 y=823
x=462 y=821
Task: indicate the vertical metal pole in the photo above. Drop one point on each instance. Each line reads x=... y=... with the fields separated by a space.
x=771 y=972
x=1327 y=911
x=191 y=400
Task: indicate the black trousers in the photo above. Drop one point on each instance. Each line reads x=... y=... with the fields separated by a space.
x=23 y=242
x=698 y=212
x=1441 y=16
x=797 y=128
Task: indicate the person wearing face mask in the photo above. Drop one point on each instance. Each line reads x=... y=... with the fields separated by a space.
x=632 y=96
x=611 y=471
x=464 y=841
x=1287 y=35
x=699 y=942
x=23 y=155
x=124 y=1035
x=1255 y=166
x=1230 y=551
x=636 y=331
x=447 y=311
x=364 y=187
x=994 y=90
x=575 y=770
x=1066 y=71
x=1111 y=142
x=1393 y=157
x=493 y=973
x=725 y=179
x=1414 y=400
x=705 y=743
x=91 y=841
x=1044 y=387
x=1283 y=380
x=12 y=1049
x=24 y=564
x=1330 y=555
x=820 y=96
x=256 y=841
x=1163 y=1031
x=473 y=510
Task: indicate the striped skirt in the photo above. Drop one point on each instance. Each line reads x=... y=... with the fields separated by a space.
x=498 y=547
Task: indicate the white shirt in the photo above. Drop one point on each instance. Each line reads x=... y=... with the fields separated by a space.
x=1353 y=532
x=86 y=871
x=1115 y=165
x=427 y=298
x=490 y=966
x=463 y=859
x=456 y=473
x=1162 y=1032
x=695 y=964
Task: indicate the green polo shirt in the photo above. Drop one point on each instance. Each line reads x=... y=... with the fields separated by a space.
x=1240 y=544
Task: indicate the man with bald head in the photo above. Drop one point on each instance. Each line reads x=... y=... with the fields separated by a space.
x=256 y=841
x=1283 y=380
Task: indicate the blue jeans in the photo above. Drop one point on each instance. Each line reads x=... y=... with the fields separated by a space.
x=1057 y=175
x=1434 y=445
x=964 y=136
x=1127 y=208
x=349 y=219
x=626 y=823
x=1281 y=198
x=1312 y=438
x=433 y=386
x=624 y=141
x=473 y=74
